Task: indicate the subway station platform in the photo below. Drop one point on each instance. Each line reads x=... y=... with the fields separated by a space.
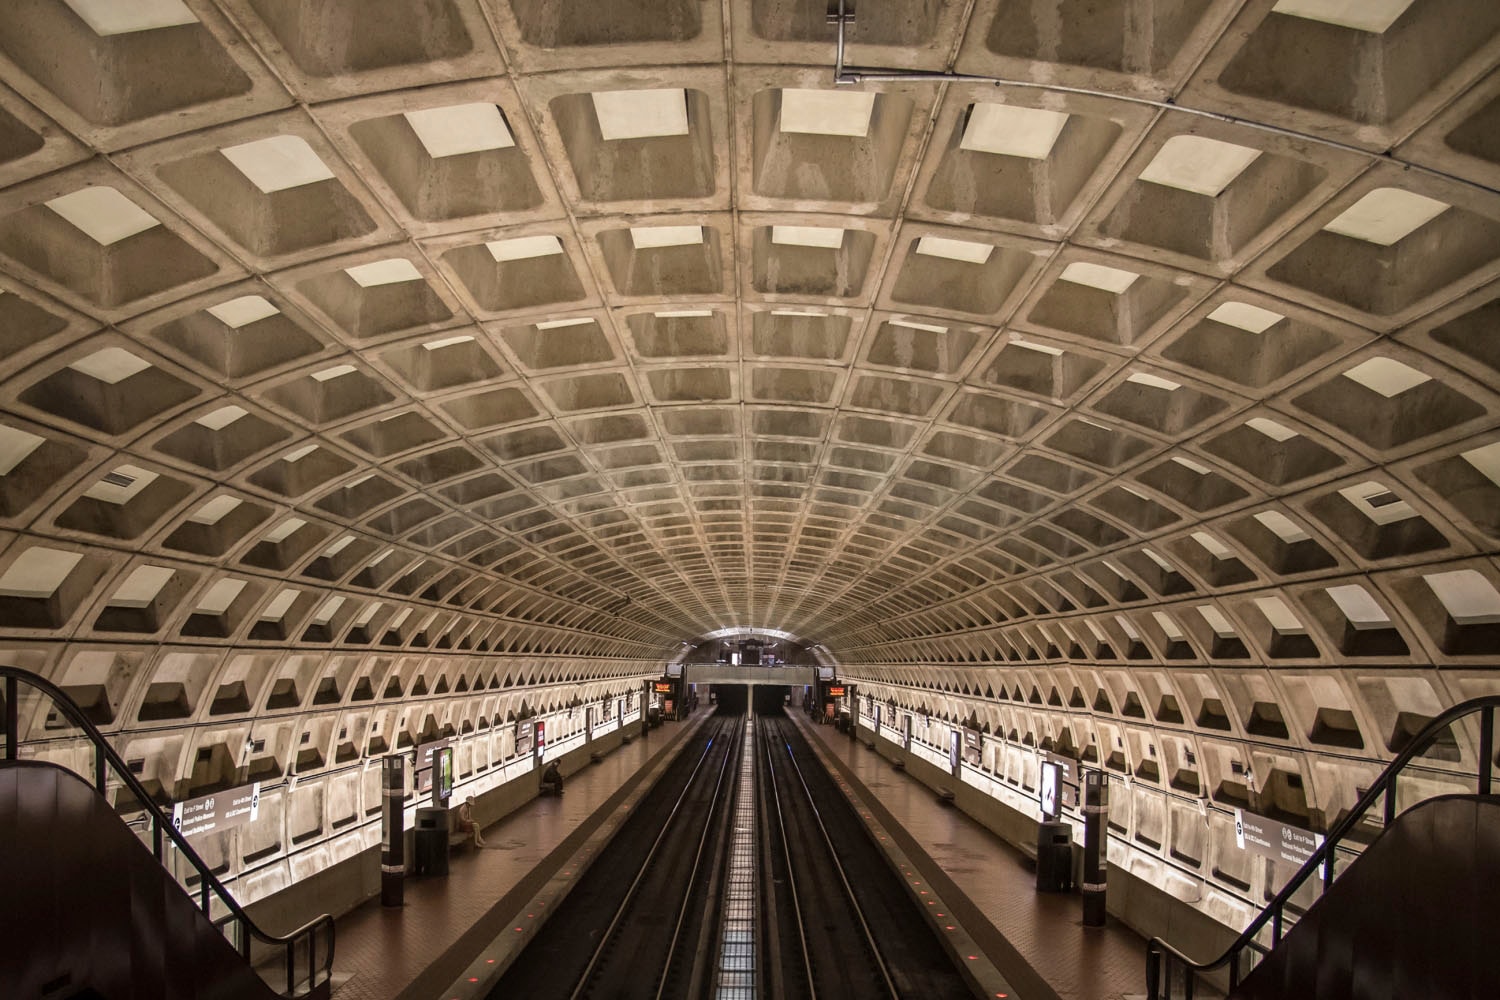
x=451 y=927
x=416 y=951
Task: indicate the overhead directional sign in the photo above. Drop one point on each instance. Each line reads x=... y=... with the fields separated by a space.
x=1274 y=839
x=219 y=811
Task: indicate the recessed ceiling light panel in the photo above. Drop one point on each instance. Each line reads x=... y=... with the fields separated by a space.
x=459 y=129
x=641 y=114
x=1029 y=133
x=1386 y=216
x=827 y=112
x=1202 y=166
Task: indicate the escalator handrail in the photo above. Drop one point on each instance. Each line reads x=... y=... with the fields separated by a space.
x=106 y=752
x=1323 y=856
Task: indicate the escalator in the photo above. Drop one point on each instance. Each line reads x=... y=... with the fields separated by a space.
x=89 y=910
x=1406 y=920
x=1411 y=918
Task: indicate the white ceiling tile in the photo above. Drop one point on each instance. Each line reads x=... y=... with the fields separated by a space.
x=121 y=17
x=328 y=374
x=221 y=418
x=279 y=605
x=460 y=129
x=1202 y=166
x=1356 y=605
x=103 y=214
x=278 y=163
x=1213 y=546
x=1386 y=216
x=911 y=324
x=384 y=272
x=1028 y=345
x=808 y=236
x=1486 y=460
x=16 y=446
x=1153 y=381
x=1244 y=316
x=1386 y=376
x=438 y=345
x=1467 y=595
x=1011 y=131
x=284 y=530
x=651 y=237
x=964 y=251
x=1192 y=466
x=1107 y=279
x=111 y=365
x=1374 y=16
x=641 y=114
x=217 y=599
x=1282 y=527
x=1271 y=429
x=827 y=112
x=141 y=587
x=215 y=510
x=524 y=248
x=243 y=311
x=38 y=572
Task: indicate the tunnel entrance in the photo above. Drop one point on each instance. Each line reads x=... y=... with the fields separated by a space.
x=770 y=698
x=732 y=699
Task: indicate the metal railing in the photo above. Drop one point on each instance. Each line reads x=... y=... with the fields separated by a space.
x=1162 y=959
x=318 y=973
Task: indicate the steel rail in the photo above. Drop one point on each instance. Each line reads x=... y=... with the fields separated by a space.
x=719 y=799
x=773 y=795
x=838 y=868
x=606 y=939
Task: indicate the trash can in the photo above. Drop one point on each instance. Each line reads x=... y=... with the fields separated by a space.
x=1054 y=857
x=430 y=854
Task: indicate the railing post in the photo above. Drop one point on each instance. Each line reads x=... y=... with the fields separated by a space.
x=12 y=721
x=1390 y=801
x=1486 y=747
x=156 y=844
x=1328 y=871
x=1276 y=927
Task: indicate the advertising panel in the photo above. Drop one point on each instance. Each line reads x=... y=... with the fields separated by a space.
x=1050 y=787
x=972 y=754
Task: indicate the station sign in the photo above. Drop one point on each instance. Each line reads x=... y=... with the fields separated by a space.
x=836 y=691
x=663 y=687
x=1274 y=839
x=217 y=812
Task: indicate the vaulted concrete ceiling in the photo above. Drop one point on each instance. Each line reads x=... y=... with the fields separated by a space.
x=595 y=327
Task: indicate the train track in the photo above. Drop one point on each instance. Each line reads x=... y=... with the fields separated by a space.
x=843 y=925
x=834 y=922
x=635 y=927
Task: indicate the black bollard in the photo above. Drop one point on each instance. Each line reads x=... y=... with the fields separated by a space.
x=393 y=831
x=1095 y=830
